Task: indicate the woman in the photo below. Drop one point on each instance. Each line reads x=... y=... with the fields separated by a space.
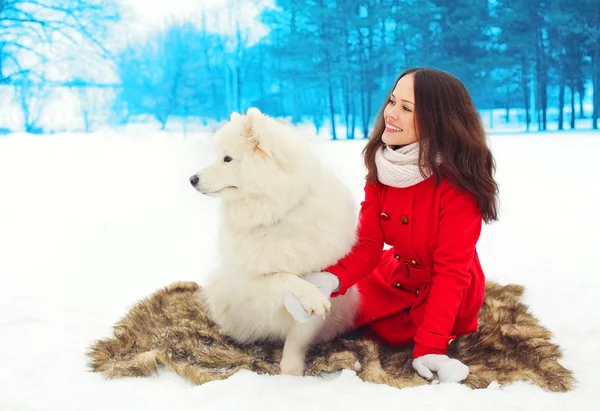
x=428 y=189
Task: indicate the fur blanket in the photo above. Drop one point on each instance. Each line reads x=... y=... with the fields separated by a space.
x=172 y=329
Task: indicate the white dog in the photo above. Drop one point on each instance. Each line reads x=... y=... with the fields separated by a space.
x=284 y=214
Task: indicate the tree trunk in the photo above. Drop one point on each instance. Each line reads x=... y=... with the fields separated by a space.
x=353 y=126
x=507 y=114
x=542 y=82
x=1 y=57
x=347 y=85
x=296 y=109
x=363 y=112
x=215 y=105
x=572 y=106
x=596 y=86
x=363 y=95
x=296 y=105
x=596 y=76
x=581 y=93
x=238 y=86
x=185 y=119
x=348 y=110
x=369 y=76
x=331 y=107
x=561 y=100
x=261 y=73
x=163 y=121
x=330 y=97
x=525 y=88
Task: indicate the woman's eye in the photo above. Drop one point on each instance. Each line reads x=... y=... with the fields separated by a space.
x=392 y=102
x=406 y=109
x=227 y=159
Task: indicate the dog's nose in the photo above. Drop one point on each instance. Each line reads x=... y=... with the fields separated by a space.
x=194 y=180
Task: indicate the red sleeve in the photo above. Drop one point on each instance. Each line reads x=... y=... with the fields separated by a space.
x=459 y=229
x=366 y=252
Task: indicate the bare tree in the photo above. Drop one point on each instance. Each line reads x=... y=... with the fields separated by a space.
x=31 y=93
x=91 y=97
x=169 y=76
x=30 y=28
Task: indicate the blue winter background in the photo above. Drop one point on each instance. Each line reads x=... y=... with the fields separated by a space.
x=108 y=106
x=533 y=65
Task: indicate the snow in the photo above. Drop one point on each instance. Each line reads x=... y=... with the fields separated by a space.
x=92 y=223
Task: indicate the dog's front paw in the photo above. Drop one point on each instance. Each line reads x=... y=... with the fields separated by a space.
x=314 y=303
x=291 y=366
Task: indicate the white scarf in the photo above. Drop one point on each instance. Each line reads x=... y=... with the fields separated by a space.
x=400 y=168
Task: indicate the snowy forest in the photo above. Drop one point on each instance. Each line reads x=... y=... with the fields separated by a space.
x=329 y=63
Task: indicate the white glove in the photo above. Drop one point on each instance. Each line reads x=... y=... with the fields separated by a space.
x=447 y=369
x=324 y=281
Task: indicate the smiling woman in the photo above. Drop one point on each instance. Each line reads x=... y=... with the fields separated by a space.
x=399 y=114
x=429 y=187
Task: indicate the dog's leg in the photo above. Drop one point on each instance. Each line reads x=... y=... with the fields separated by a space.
x=300 y=335
x=295 y=347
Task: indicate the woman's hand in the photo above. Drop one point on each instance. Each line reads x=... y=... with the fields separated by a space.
x=326 y=282
x=447 y=369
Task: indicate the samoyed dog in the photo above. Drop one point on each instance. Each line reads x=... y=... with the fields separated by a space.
x=283 y=214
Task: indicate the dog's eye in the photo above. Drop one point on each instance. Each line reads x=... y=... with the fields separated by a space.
x=227 y=159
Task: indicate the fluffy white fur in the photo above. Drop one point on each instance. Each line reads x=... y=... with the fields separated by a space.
x=284 y=214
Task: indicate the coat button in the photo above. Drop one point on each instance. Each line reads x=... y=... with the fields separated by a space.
x=397 y=285
x=417 y=292
x=413 y=262
x=451 y=341
x=385 y=216
x=396 y=256
x=404 y=219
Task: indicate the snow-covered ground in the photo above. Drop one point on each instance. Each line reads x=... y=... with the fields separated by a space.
x=90 y=224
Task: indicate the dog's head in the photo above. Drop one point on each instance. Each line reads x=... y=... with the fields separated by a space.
x=256 y=154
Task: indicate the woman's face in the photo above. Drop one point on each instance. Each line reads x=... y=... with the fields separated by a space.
x=399 y=114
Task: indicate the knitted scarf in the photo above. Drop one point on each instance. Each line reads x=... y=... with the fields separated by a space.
x=400 y=168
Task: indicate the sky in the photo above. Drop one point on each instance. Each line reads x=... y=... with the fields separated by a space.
x=221 y=14
x=142 y=18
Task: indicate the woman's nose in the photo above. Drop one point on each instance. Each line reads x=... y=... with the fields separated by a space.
x=394 y=112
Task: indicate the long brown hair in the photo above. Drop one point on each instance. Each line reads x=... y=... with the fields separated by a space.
x=447 y=124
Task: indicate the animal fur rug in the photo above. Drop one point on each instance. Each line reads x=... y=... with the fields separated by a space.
x=172 y=329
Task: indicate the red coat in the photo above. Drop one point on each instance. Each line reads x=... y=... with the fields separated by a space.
x=429 y=286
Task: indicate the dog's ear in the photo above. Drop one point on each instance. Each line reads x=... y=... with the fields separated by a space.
x=252 y=134
x=234 y=116
x=253 y=112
